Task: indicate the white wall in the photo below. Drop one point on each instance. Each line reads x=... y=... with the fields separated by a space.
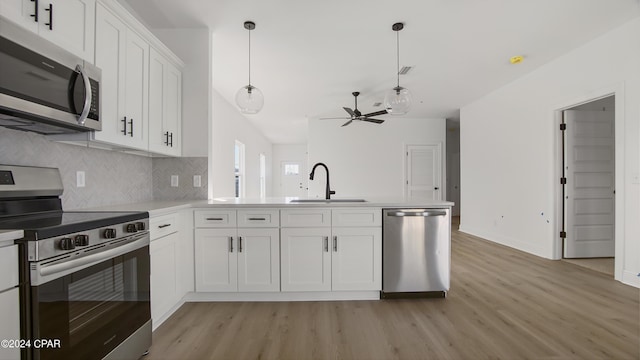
x=509 y=149
x=229 y=125
x=367 y=160
x=193 y=46
x=287 y=152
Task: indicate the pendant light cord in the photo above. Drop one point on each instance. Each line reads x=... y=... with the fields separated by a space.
x=398 y=56
x=249 y=58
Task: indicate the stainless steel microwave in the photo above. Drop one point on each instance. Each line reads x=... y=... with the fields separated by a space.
x=44 y=88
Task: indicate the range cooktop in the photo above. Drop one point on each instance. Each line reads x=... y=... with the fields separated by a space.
x=55 y=223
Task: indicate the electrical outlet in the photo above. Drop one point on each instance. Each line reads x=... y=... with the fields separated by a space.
x=197 y=181
x=174 y=180
x=80 y=179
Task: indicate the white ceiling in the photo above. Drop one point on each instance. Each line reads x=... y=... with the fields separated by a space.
x=308 y=56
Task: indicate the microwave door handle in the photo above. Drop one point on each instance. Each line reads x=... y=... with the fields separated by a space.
x=88 y=95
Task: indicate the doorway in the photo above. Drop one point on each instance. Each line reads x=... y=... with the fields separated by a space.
x=423 y=172
x=293 y=179
x=588 y=184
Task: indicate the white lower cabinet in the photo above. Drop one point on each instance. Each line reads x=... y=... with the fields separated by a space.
x=170 y=251
x=325 y=259
x=356 y=261
x=306 y=259
x=9 y=300
x=230 y=260
x=165 y=275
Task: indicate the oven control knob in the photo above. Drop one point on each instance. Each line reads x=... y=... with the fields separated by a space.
x=66 y=244
x=140 y=226
x=81 y=240
x=131 y=228
x=110 y=233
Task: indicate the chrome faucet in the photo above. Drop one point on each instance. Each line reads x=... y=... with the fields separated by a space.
x=328 y=191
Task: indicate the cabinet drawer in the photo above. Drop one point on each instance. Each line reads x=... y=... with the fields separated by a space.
x=305 y=218
x=215 y=218
x=163 y=225
x=357 y=217
x=8 y=267
x=258 y=218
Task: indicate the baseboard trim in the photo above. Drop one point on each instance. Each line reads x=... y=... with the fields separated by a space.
x=284 y=296
x=507 y=241
x=631 y=278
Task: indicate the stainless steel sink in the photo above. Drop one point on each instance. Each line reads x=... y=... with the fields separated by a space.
x=326 y=200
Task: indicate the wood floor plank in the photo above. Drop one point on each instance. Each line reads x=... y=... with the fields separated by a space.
x=503 y=304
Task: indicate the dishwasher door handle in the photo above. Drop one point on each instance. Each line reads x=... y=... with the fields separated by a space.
x=417 y=213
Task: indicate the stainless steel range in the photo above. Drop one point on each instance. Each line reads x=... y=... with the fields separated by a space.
x=84 y=279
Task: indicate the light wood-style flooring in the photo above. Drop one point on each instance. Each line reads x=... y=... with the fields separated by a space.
x=503 y=304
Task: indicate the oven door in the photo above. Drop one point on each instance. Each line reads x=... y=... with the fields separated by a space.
x=93 y=310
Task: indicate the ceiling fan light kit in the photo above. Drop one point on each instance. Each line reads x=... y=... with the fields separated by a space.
x=397 y=101
x=249 y=98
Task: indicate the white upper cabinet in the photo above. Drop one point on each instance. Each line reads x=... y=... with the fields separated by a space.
x=123 y=57
x=66 y=23
x=165 y=106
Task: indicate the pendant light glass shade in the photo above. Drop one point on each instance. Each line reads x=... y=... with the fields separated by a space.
x=249 y=98
x=397 y=101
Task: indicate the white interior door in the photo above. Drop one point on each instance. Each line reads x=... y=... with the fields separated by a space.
x=589 y=191
x=293 y=178
x=423 y=172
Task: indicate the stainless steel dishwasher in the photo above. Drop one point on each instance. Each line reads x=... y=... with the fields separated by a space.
x=416 y=256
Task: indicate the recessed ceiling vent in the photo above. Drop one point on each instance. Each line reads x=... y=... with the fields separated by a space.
x=404 y=70
x=376 y=104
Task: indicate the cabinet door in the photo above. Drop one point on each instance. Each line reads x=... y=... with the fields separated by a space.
x=216 y=260
x=173 y=109
x=110 y=57
x=157 y=68
x=306 y=260
x=10 y=320
x=21 y=12
x=258 y=260
x=165 y=275
x=69 y=24
x=136 y=90
x=356 y=258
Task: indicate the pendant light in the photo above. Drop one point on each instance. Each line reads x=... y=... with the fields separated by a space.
x=249 y=98
x=397 y=101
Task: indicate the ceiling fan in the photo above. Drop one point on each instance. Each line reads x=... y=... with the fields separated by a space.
x=355 y=114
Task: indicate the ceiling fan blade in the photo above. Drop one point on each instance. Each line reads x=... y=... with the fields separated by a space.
x=381 y=112
x=335 y=118
x=377 y=121
x=349 y=111
x=347 y=123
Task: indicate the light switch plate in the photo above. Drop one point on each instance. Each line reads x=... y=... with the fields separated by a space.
x=80 y=179
x=197 y=181
x=174 y=180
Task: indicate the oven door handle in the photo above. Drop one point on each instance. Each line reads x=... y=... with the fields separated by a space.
x=87 y=95
x=43 y=273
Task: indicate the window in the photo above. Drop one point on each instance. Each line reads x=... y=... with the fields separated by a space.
x=239 y=168
x=263 y=176
x=292 y=169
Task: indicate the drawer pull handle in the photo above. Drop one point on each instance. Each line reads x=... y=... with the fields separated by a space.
x=258 y=219
x=216 y=219
x=163 y=226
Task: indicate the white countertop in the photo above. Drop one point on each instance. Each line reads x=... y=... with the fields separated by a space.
x=160 y=207
x=8 y=236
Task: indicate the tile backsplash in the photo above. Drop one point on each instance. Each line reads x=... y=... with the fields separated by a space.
x=185 y=169
x=111 y=177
